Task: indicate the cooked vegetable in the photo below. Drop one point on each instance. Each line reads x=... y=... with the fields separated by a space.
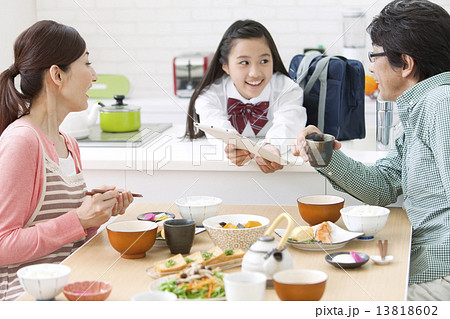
x=170 y=263
x=229 y=252
x=206 y=255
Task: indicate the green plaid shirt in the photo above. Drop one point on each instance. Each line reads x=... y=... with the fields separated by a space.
x=418 y=167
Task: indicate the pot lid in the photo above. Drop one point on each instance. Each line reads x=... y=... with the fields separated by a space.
x=119 y=106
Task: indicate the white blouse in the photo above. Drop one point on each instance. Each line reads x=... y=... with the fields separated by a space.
x=67 y=165
x=286 y=114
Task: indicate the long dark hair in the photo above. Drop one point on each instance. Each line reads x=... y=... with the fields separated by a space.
x=241 y=29
x=42 y=45
x=418 y=28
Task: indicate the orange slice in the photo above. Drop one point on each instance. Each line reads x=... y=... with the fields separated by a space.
x=252 y=223
x=371 y=85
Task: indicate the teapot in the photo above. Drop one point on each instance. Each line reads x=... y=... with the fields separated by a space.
x=266 y=255
x=77 y=124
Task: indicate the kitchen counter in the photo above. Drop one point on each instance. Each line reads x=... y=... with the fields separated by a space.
x=169 y=167
x=369 y=282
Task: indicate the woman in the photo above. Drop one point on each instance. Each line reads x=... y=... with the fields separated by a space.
x=44 y=212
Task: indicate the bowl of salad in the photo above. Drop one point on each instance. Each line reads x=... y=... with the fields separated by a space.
x=196 y=282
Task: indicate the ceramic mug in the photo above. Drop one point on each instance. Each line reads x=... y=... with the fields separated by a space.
x=179 y=234
x=245 y=286
x=319 y=149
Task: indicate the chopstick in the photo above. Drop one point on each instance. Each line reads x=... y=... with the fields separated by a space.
x=382 y=248
x=101 y=191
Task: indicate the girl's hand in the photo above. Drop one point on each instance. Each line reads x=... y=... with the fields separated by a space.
x=238 y=157
x=299 y=148
x=267 y=166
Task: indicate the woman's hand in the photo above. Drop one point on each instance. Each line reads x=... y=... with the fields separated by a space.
x=123 y=201
x=267 y=166
x=299 y=148
x=98 y=209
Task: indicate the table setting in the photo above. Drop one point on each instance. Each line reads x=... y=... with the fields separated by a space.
x=346 y=268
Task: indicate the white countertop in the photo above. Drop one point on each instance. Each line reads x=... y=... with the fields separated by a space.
x=171 y=152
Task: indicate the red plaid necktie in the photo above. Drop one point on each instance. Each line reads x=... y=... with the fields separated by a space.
x=240 y=113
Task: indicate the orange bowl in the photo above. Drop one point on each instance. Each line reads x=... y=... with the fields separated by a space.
x=300 y=284
x=132 y=238
x=87 y=291
x=316 y=209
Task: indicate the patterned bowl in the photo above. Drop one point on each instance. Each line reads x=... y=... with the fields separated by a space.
x=198 y=208
x=235 y=238
x=87 y=291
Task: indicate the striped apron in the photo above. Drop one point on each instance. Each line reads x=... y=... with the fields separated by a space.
x=60 y=195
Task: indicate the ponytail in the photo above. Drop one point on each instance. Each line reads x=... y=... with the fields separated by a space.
x=12 y=103
x=42 y=45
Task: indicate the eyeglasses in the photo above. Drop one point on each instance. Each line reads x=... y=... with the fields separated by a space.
x=373 y=55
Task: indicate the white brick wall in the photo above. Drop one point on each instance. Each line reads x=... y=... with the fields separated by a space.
x=152 y=32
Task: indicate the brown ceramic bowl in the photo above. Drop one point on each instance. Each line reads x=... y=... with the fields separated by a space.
x=87 y=291
x=132 y=238
x=300 y=284
x=316 y=209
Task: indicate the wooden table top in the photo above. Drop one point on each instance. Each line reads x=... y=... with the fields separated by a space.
x=97 y=260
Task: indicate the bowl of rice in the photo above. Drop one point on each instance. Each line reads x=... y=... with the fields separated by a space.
x=44 y=281
x=198 y=208
x=366 y=219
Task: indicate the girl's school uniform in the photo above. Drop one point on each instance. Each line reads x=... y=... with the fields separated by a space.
x=281 y=121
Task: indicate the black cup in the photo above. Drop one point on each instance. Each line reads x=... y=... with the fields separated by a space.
x=179 y=234
x=319 y=148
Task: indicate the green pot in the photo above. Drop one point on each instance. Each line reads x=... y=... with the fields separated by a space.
x=120 y=117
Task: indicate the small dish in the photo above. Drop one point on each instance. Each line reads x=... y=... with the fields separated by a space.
x=330 y=258
x=87 y=291
x=145 y=217
x=161 y=242
x=339 y=236
x=379 y=261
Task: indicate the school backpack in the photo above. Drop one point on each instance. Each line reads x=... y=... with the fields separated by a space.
x=333 y=93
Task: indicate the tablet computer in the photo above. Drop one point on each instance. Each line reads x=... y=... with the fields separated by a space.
x=244 y=143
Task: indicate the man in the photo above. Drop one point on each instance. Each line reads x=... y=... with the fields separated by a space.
x=411 y=63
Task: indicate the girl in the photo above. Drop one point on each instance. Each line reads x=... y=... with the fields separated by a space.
x=44 y=213
x=247 y=88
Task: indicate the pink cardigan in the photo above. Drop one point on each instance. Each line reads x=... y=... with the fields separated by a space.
x=21 y=185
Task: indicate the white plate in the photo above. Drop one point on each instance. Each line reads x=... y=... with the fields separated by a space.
x=161 y=242
x=155 y=284
x=339 y=236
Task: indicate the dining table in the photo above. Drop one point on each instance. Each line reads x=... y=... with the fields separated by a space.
x=97 y=260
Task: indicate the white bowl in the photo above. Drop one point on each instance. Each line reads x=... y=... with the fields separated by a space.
x=235 y=238
x=155 y=296
x=44 y=281
x=366 y=219
x=198 y=208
